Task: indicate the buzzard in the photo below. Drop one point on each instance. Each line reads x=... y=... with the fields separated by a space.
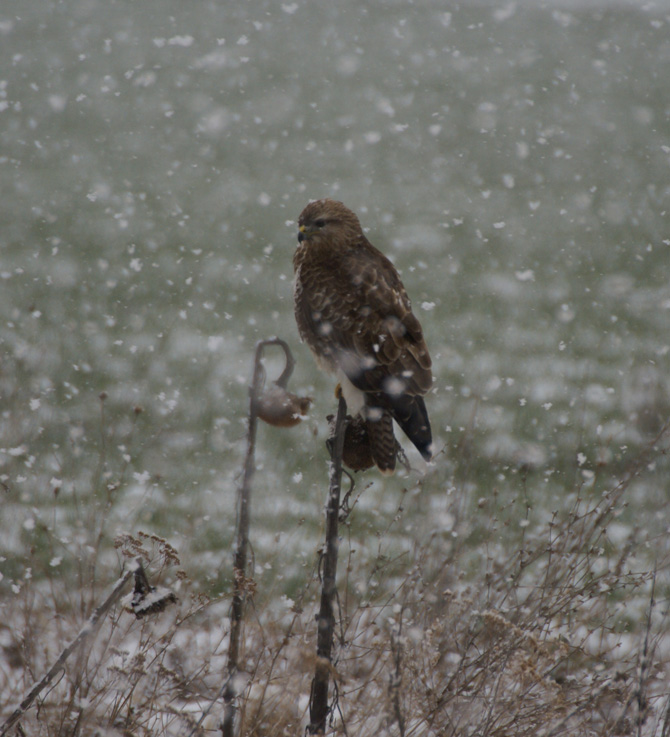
x=353 y=312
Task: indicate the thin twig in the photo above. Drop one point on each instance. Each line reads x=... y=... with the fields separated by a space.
x=396 y=679
x=645 y=665
x=210 y=706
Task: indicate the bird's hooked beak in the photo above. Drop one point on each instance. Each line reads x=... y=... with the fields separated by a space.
x=302 y=233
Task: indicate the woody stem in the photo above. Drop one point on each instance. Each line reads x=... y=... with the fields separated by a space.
x=318 y=707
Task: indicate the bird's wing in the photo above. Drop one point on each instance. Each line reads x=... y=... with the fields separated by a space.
x=393 y=334
x=358 y=315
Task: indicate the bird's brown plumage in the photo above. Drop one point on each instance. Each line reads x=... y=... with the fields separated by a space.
x=353 y=312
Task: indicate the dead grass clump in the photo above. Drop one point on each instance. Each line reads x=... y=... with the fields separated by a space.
x=542 y=653
x=549 y=629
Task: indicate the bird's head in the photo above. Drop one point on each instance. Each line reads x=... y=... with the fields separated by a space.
x=327 y=219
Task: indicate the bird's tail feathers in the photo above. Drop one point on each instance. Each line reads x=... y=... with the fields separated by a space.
x=383 y=445
x=410 y=413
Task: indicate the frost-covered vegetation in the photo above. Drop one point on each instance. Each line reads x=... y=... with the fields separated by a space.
x=552 y=628
x=513 y=161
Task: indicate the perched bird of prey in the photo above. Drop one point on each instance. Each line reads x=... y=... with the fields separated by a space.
x=354 y=313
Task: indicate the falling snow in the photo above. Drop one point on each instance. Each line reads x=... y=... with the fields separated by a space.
x=514 y=167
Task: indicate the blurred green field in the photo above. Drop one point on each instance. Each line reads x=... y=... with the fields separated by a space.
x=513 y=163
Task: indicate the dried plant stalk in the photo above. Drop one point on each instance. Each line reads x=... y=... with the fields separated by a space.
x=240 y=556
x=318 y=703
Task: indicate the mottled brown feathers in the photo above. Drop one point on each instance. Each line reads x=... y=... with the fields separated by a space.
x=353 y=312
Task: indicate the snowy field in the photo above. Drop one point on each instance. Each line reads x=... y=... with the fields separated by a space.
x=513 y=160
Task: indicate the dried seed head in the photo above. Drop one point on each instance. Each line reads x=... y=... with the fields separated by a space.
x=280 y=408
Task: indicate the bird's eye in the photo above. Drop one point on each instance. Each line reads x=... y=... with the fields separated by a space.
x=320 y=223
